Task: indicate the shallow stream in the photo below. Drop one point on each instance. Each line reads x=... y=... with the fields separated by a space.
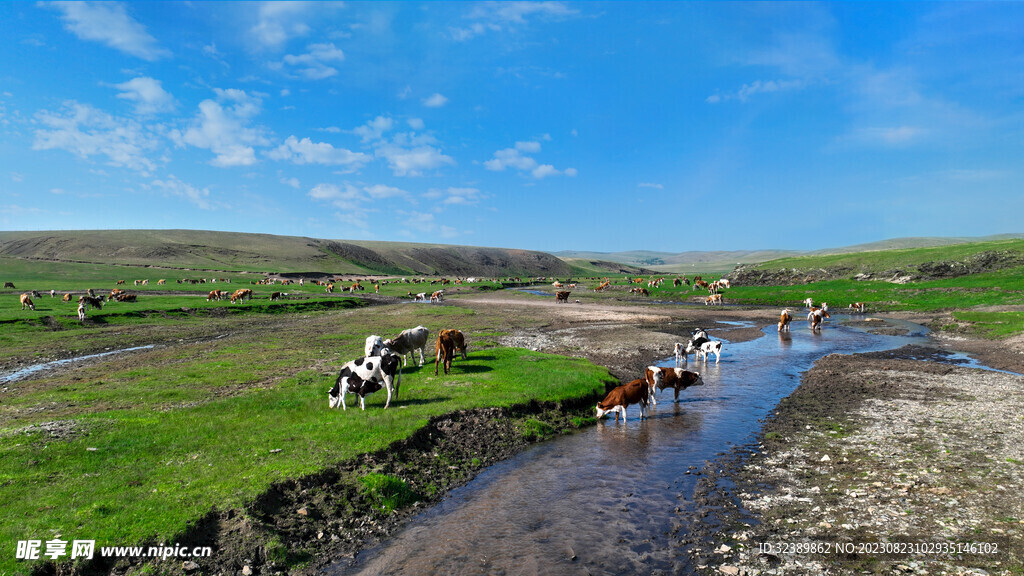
x=609 y=499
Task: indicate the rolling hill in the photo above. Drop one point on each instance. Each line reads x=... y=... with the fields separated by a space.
x=266 y=253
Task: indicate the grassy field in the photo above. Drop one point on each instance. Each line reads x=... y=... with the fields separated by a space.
x=230 y=399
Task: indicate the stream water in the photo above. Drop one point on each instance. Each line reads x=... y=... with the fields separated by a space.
x=607 y=499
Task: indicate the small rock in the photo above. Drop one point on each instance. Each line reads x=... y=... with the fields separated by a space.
x=825 y=458
x=723 y=549
x=190 y=566
x=303 y=512
x=246 y=570
x=729 y=570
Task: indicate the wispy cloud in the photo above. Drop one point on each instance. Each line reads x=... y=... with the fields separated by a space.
x=175 y=187
x=224 y=126
x=147 y=94
x=504 y=16
x=407 y=153
x=757 y=87
x=279 y=22
x=306 y=151
x=316 y=64
x=650 y=185
x=109 y=23
x=86 y=131
x=355 y=201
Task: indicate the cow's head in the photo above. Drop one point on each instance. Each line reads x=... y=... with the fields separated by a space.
x=334 y=395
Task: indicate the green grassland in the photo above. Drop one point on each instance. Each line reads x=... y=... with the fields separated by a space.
x=231 y=398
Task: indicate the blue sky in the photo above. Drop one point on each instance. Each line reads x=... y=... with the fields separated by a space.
x=664 y=126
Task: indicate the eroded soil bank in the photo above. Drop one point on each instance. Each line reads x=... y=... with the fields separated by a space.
x=879 y=463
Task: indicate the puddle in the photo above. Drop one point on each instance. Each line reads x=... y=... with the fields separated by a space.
x=35 y=368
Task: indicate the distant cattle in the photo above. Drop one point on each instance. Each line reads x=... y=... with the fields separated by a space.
x=364 y=376
x=621 y=397
x=437 y=296
x=81 y=311
x=275 y=296
x=659 y=378
x=408 y=342
x=66 y=297
x=562 y=296
x=215 y=295
x=9 y=285
x=91 y=301
x=126 y=297
x=713 y=299
x=26 y=302
x=858 y=307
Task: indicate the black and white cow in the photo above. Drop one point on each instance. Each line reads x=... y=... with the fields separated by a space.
x=366 y=375
x=697 y=338
x=408 y=342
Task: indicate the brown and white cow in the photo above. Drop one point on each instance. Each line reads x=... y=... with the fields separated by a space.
x=621 y=397
x=858 y=307
x=659 y=378
x=816 y=317
x=26 y=302
x=713 y=299
x=562 y=296
x=241 y=295
x=784 y=319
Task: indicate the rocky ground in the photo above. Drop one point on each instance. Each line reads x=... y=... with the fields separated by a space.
x=880 y=463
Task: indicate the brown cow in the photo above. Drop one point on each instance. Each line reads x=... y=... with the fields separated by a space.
x=275 y=296
x=67 y=297
x=241 y=295
x=445 y=351
x=458 y=339
x=635 y=392
x=858 y=307
x=215 y=295
x=562 y=296
x=26 y=301
x=816 y=317
x=675 y=378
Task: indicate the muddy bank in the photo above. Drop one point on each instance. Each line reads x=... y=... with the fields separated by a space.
x=299 y=526
x=878 y=463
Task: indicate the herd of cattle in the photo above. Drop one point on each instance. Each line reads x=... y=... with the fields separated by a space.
x=381 y=364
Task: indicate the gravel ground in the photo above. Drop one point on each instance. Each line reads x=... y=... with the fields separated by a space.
x=881 y=464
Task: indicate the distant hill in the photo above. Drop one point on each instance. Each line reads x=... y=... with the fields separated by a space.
x=231 y=251
x=723 y=261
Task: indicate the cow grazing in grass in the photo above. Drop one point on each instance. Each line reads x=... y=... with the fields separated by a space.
x=459 y=339
x=9 y=285
x=408 y=342
x=26 y=302
x=658 y=378
x=66 y=297
x=366 y=375
x=445 y=351
x=91 y=301
x=241 y=295
x=621 y=397
x=784 y=319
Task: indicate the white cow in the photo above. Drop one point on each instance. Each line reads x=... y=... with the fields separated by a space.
x=373 y=345
x=409 y=341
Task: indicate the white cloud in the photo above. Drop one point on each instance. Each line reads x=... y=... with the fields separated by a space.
x=86 y=131
x=435 y=101
x=279 y=22
x=517 y=158
x=147 y=94
x=412 y=160
x=380 y=191
x=650 y=185
x=890 y=135
x=175 y=187
x=306 y=151
x=292 y=182
x=462 y=196
x=226 y=130
x=110 y=24
x=506 y=16
x=416 y=123
x=316 y=63
x=374 y=129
